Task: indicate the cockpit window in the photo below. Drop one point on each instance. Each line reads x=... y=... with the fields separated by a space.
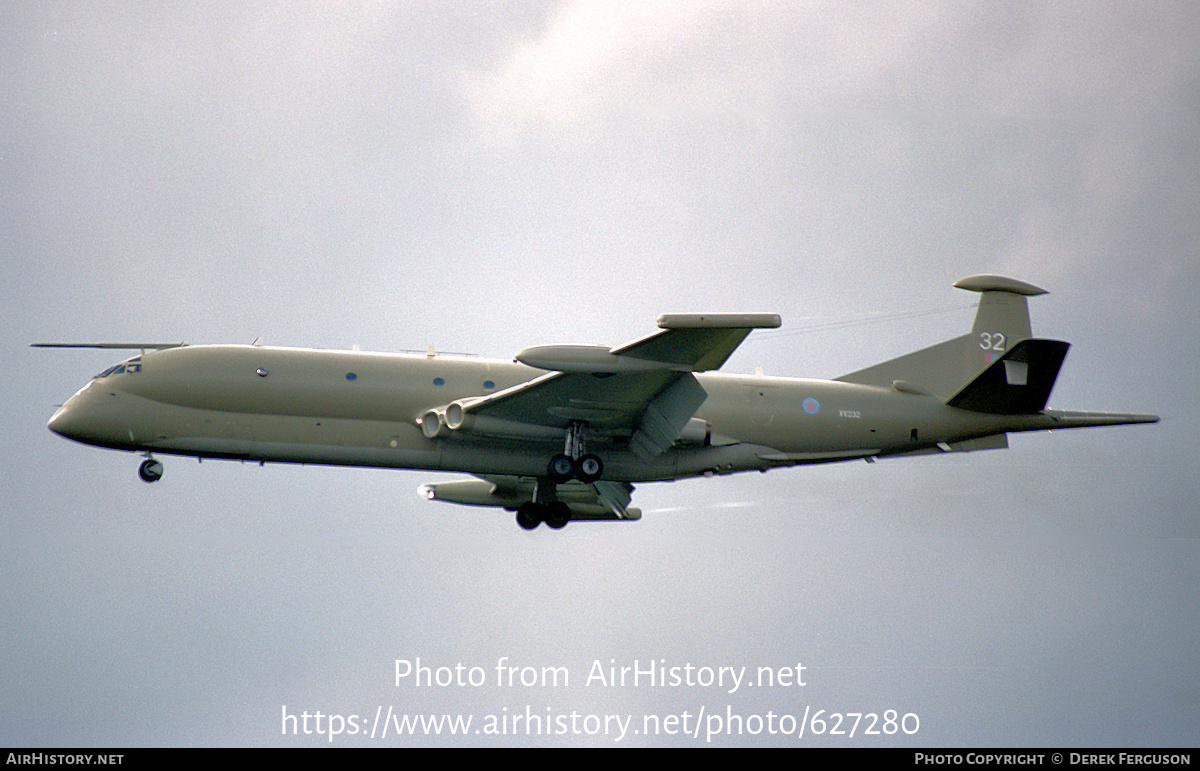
x=131 y=365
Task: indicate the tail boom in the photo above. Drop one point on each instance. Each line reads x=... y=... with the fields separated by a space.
x=1081 y=419
x=1054 y=420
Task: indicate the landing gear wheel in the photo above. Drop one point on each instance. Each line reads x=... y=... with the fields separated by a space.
x=529 y=515
x=561 y=468
x=589 y=468
x=150 y=470
x=558 y=514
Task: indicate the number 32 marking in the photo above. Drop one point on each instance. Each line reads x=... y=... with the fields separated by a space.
x=991 y=341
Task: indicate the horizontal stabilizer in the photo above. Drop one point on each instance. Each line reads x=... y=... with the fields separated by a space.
x=719 y=321
x=1019 y=383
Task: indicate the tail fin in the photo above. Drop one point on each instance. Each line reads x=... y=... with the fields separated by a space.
x=945 y=369
x=1019 y=383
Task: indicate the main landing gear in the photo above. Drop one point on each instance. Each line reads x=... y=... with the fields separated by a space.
x=545 y=507
x=575 y=462
x=555 y=514
x=150 y=470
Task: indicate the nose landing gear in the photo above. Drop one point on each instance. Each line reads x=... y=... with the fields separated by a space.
x=150 y=470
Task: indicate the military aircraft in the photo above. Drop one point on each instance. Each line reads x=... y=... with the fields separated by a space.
x=563 y=432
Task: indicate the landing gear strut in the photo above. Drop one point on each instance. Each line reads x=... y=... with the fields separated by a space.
x=150 y=470
x=574 y=462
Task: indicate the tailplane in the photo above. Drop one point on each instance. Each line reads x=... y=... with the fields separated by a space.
x=945 y=370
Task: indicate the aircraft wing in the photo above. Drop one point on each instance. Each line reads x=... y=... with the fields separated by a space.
x=644 y=389
x=118 y=346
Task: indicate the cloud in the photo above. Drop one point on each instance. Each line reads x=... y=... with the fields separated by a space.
x=492 y=176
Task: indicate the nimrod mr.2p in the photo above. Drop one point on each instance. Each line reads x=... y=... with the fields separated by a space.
x=563 y=432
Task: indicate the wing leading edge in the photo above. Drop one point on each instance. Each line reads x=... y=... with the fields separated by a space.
x=643 y=393
x=643 y=390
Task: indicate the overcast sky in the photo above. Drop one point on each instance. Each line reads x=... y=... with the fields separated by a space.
x=486 y=176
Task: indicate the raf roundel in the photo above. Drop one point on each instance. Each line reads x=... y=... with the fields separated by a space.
x=811 y=406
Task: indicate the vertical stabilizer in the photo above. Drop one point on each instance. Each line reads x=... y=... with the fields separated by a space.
x=1003 y=309
x=1018 y=384
x=944 y=369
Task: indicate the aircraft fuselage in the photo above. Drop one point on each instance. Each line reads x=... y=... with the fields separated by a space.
x=562 y=432
x=364 y=409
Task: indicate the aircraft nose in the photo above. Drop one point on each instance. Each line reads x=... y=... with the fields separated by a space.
x=84 y=419
x=65 y=421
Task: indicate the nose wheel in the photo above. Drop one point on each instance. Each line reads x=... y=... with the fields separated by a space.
x=150 y=470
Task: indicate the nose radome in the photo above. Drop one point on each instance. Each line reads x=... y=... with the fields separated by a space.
x=63 y=422
x=93 y=416
x=78 y=419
